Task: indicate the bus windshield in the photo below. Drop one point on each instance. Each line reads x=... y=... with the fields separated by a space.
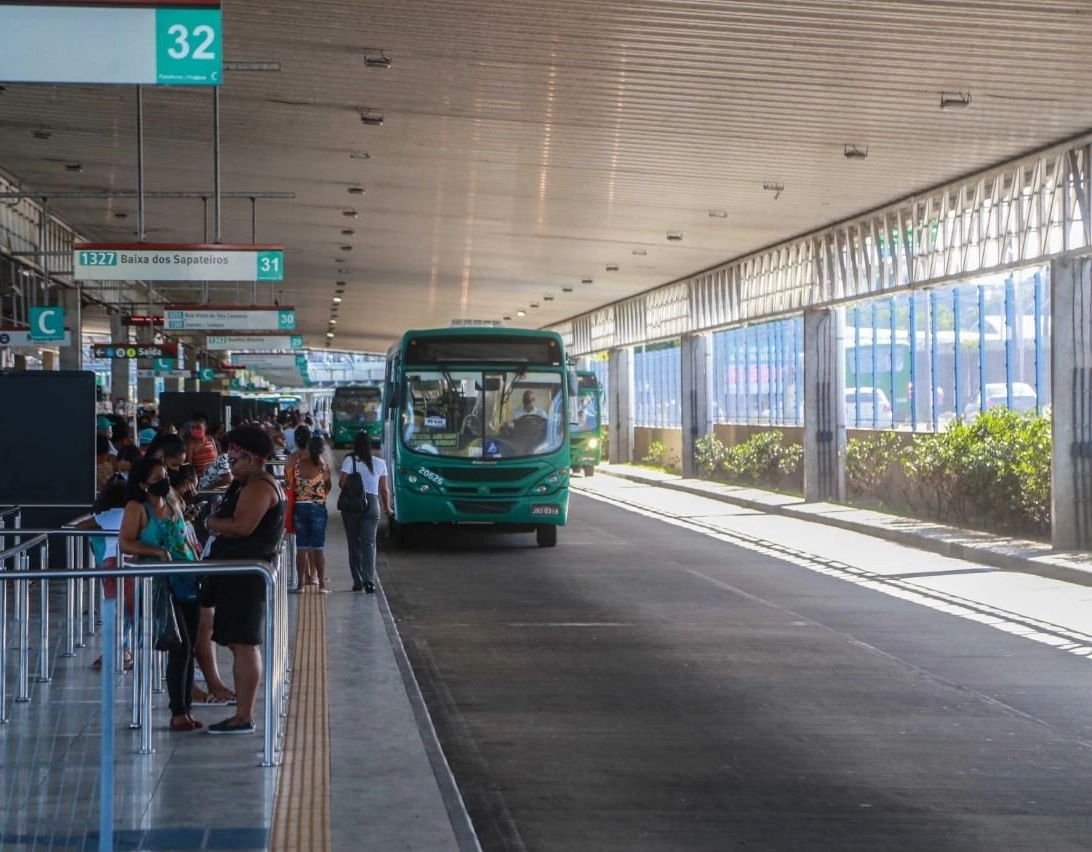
x=587 y=411
x=483 y=414
x=357 y=405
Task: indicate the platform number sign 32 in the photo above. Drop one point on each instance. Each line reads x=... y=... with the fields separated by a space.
x=189 y=47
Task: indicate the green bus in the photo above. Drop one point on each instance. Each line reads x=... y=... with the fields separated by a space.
x=586 y=432
x=477 y=430
x=356 y=408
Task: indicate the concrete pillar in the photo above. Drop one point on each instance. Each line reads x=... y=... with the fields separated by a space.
x=71 y=356
x=1071 y=398
x=620 y=405
x=20 y=362
x=119 y=367
x=696 y=357
x=49 y=360
x=824 y=405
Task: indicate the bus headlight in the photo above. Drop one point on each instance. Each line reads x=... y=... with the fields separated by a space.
x=554 y=480
x=540 y=489
x=412 y=478
x=423 y=487
x=593 y=443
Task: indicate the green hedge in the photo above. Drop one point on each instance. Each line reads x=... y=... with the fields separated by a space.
x=991 y=473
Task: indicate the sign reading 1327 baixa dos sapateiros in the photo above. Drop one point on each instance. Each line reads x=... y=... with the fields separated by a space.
x=228 y=318
x=176 y=262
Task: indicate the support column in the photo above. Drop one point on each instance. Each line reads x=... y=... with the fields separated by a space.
x=824 y=405
x=1071 y=397
x=119 y=367
x=696 y=358
x=71 y=356
x=145 y=386
x=620 y=405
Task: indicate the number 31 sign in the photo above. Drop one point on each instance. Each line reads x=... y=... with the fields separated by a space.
x=189 y=49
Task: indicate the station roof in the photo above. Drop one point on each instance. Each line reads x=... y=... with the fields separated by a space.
x=542 y=156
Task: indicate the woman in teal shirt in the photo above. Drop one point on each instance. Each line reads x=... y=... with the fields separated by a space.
x=153 y=529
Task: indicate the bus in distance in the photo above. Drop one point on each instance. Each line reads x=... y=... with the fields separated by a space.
x=356 y=408
x=586 y=431
x=477 y=430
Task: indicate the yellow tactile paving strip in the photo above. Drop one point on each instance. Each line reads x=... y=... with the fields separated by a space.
x=301 y=816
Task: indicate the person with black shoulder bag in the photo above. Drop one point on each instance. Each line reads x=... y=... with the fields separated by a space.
x=363 y=495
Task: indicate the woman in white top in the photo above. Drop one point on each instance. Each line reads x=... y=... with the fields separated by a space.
x=361 y=527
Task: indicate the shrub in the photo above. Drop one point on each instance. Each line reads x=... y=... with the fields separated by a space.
x=764 y=460
x=709 y=455
x=869 y=462
x=659 y=455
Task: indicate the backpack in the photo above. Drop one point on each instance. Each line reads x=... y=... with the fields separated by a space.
x=353 y=497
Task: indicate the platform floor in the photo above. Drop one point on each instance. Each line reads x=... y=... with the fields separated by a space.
x=388 y=786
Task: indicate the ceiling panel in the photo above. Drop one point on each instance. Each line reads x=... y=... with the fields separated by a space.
x=527 y=146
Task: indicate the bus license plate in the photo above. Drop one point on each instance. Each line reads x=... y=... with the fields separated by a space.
x=545 y=510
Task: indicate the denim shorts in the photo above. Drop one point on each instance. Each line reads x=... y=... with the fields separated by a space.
x=310 y=521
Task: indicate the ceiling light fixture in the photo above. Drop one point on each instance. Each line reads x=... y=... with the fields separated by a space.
x=77 y=168
x=775 y=188
x=674 y=236
x=640 y=252
x=329 y=334
x=612 y=267
x=337 y=300
x=370 y=116
x=855 y=152
x=121 y=214
x=356 y=190
x=718 y=214
x=585 y=280
x=506 y=319
x=359 y=155
x=521 y=313
x=349 y=214
x=547 y=298
x=347 y=232
x=374 y=58
x=41 y=133
x=955 y=100
x=346 y=248
x=566 y=289
x=333 y=322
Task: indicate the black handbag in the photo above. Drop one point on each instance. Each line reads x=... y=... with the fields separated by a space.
x=167 y=634
x=353 y=497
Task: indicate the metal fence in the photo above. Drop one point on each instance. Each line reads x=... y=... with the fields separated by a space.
x=20 y=582
x=913 y=360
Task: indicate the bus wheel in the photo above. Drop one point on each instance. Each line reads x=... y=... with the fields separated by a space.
x=589 y=470
x=546 y=535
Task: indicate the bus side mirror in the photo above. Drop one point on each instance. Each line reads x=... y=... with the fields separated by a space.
x=574 y=384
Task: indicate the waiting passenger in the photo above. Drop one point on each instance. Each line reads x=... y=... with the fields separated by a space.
x=153 y=528
x=200 y=449
x=311 y=483
x=248 y=524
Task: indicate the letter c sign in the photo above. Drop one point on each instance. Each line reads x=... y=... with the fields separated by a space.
x=46 y=323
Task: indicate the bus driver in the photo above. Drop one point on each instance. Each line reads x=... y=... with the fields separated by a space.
x=529 y=409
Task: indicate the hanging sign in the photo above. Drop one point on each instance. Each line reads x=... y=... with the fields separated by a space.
x=21 y=337
x=176 y=262
x=117 y=351
x=228 y=318
x=78 y=41
x=46 y=324
x=257 y=342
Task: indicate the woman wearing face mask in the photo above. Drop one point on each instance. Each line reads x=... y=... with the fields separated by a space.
x=201 y=450
x=153 y=528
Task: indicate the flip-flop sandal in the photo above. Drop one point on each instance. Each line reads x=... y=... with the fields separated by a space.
x=217 y=700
